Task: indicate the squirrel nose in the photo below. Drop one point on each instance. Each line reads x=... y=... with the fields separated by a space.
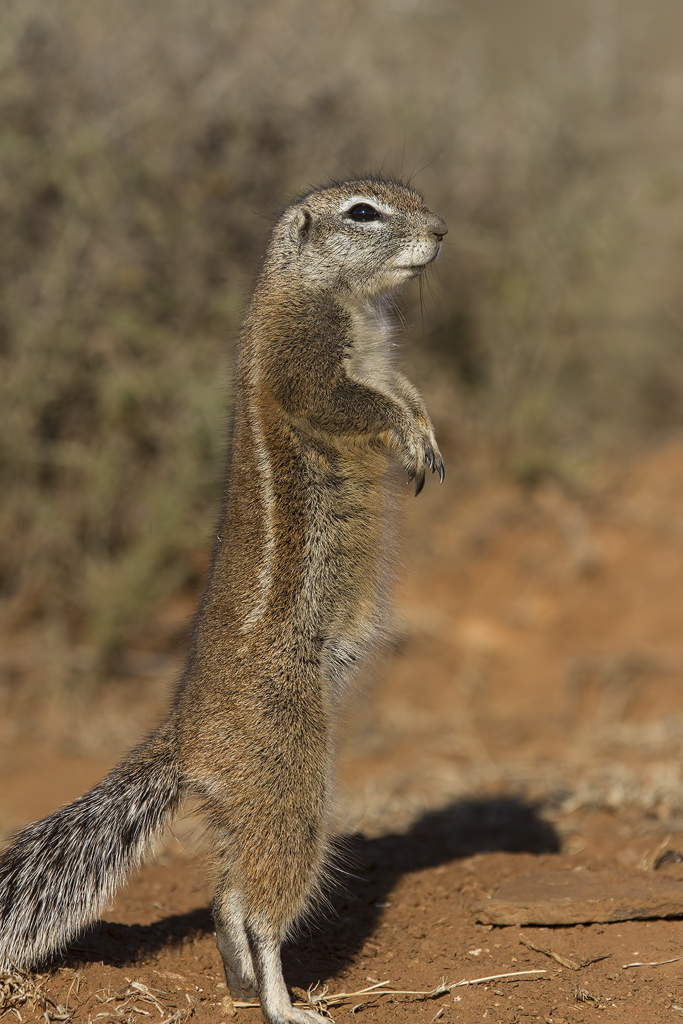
x=438 y=227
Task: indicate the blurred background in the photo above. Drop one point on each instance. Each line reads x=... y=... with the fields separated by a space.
x=146 y=146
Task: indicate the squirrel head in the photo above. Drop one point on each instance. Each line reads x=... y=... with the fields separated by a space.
x=368 y=236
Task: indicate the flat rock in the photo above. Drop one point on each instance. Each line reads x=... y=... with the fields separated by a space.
x=580 y=897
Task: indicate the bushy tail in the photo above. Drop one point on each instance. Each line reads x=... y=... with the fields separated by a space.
x=60 y=873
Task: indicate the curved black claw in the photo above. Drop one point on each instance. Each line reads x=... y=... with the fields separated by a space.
x=442 y=472
x=430 y=459
x=419 y=483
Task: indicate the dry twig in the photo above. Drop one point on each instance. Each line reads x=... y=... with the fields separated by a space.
x=321 y=1000
x=561 y=958
x=135 y=992
x=653 y=963
x=19 y=989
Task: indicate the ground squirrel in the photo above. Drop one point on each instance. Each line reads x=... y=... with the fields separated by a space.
x=293 y=602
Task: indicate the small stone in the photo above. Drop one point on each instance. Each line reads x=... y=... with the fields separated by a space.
x=228 y=1006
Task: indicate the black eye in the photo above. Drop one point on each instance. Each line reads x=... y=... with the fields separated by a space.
x=363 y=212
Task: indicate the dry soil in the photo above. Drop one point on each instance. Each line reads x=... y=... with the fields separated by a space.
x=527 y=723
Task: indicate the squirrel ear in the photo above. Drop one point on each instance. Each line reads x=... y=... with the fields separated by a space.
x=302 y=223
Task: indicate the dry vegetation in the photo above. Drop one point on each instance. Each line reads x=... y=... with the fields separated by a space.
x=144 y=151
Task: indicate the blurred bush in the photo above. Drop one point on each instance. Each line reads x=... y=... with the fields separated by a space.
x=144 y=147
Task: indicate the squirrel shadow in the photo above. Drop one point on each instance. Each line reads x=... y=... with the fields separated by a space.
x=460 y=829
x=372 y=868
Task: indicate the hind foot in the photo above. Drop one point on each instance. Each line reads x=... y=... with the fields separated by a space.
x=291 y=1015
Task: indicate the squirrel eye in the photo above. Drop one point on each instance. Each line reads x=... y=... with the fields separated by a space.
x=363 y=212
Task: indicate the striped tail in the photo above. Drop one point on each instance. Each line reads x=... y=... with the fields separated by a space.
x=60 y=873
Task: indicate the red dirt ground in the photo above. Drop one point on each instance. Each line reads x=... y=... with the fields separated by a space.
x=528 y=720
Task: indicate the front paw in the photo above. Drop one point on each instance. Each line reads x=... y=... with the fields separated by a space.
x=420 y=452
x=430 y=458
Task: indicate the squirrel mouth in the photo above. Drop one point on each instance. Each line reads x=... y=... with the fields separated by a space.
x=417 y=268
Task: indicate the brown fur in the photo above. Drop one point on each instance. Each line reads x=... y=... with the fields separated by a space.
x=296 y=594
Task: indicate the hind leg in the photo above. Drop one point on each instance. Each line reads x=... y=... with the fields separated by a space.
x=270 y=842
x=252 y=962
x=233 y=945
x=276 y=1006
x=264 y=885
